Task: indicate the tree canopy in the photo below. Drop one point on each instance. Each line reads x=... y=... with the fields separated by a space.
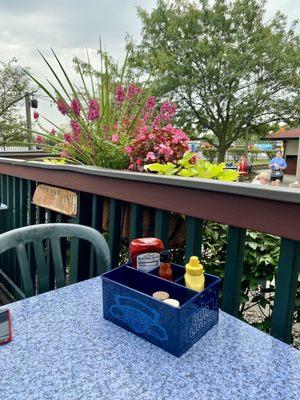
x=226 y=66
x=14 y=83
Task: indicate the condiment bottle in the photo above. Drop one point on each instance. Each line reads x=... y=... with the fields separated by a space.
x=144 y=253
x=165 y=269
x=194 y=276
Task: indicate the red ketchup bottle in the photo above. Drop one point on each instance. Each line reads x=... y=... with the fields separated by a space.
x=144 y=253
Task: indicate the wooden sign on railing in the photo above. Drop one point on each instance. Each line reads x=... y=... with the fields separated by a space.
x=56 y=199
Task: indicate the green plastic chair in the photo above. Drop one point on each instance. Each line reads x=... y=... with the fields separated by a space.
x=20 y=238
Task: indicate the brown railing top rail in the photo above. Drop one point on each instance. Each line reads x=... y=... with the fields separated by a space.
x=24 y=154
x=265 y=209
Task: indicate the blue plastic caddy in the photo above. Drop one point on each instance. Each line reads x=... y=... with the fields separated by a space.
x=128 y=303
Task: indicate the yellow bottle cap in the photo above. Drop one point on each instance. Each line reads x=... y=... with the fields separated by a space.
x=194 y=267
x=194 y=261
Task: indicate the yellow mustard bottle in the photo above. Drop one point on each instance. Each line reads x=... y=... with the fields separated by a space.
x=194 y=275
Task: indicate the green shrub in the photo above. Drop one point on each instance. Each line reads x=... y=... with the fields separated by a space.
x=253 y=154
x=192 y=167
x=236 y=154
x=210 y=154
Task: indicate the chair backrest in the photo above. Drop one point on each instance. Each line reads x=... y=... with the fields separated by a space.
x=21 y=239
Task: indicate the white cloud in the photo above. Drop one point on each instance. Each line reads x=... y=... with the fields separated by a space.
x=69 y=26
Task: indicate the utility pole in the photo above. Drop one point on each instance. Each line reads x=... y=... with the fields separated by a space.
x=28 y=120
x=298 y=163
x=247 y=138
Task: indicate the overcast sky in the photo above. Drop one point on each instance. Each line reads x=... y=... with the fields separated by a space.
x=70 y=26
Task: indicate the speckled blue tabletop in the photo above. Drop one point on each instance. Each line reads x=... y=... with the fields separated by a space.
x=63 y=349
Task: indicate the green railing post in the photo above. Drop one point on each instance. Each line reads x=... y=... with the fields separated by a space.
x=97 y=215
x=3 y=214
x=285 y=292
x=16 y=203
x=194 y=228
x=31 y=220
x=115 y=214
x=10 y=265
x=233 y=270
x=80 y=251
x=162 y=226
x=136 y=221
x=23 y=202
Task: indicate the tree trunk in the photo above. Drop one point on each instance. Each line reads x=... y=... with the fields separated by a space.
x=221 y=154
x=247 y=137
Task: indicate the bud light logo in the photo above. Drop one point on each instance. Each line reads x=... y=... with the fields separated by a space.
x=199 y=321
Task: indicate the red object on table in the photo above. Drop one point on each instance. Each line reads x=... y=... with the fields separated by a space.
x=6 y=316
x=143 y=246
x=165 y=269
x=242 y=167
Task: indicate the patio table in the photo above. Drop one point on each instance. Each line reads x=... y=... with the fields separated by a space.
x=64 y=349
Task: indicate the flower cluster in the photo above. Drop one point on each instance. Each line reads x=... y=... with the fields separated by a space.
x=167 y=111
x=76 y=128
x=122 y=94
x=75 y=106
x=62 y=106
x=110 y=124
x=137 y=132
x=94 y=110
x=157 y=144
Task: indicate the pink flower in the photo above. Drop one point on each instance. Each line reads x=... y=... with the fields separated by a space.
x=36 y=115
x=131 y=167
x=146 y=116
x=150 y=156
x=156 y=121
x=167 y=111
x=178 y=136
x=76 y=128
x=62 y=106
x=114 y=138
x=151 y=102
x=75 y=106
x=143 y=130
x=128 y=149
x=194 y=159
x=68 y=137
x=63 y=153
x=165 y=150
x=151 y=136
x=133 y=90
x=94 y=110
x=120 y=94
x=39 y=139
x=52 y=132
x=139 y=161
x=142 y=136
x=142 y=133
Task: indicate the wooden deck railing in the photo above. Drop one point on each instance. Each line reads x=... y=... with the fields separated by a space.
x=240 y=206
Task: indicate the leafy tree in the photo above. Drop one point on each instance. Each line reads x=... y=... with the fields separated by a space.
x=14 y=83
x=226 y=66
x=262 y=131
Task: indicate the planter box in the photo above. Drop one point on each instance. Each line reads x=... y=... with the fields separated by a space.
x=128 y=303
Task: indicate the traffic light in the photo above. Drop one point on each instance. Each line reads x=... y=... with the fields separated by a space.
x=34 y=103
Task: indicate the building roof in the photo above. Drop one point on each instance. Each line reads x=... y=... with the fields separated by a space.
x=285 y=134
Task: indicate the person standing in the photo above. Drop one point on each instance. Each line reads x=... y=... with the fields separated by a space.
x=277 y=165
x=248 y=163
x=242 y=166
